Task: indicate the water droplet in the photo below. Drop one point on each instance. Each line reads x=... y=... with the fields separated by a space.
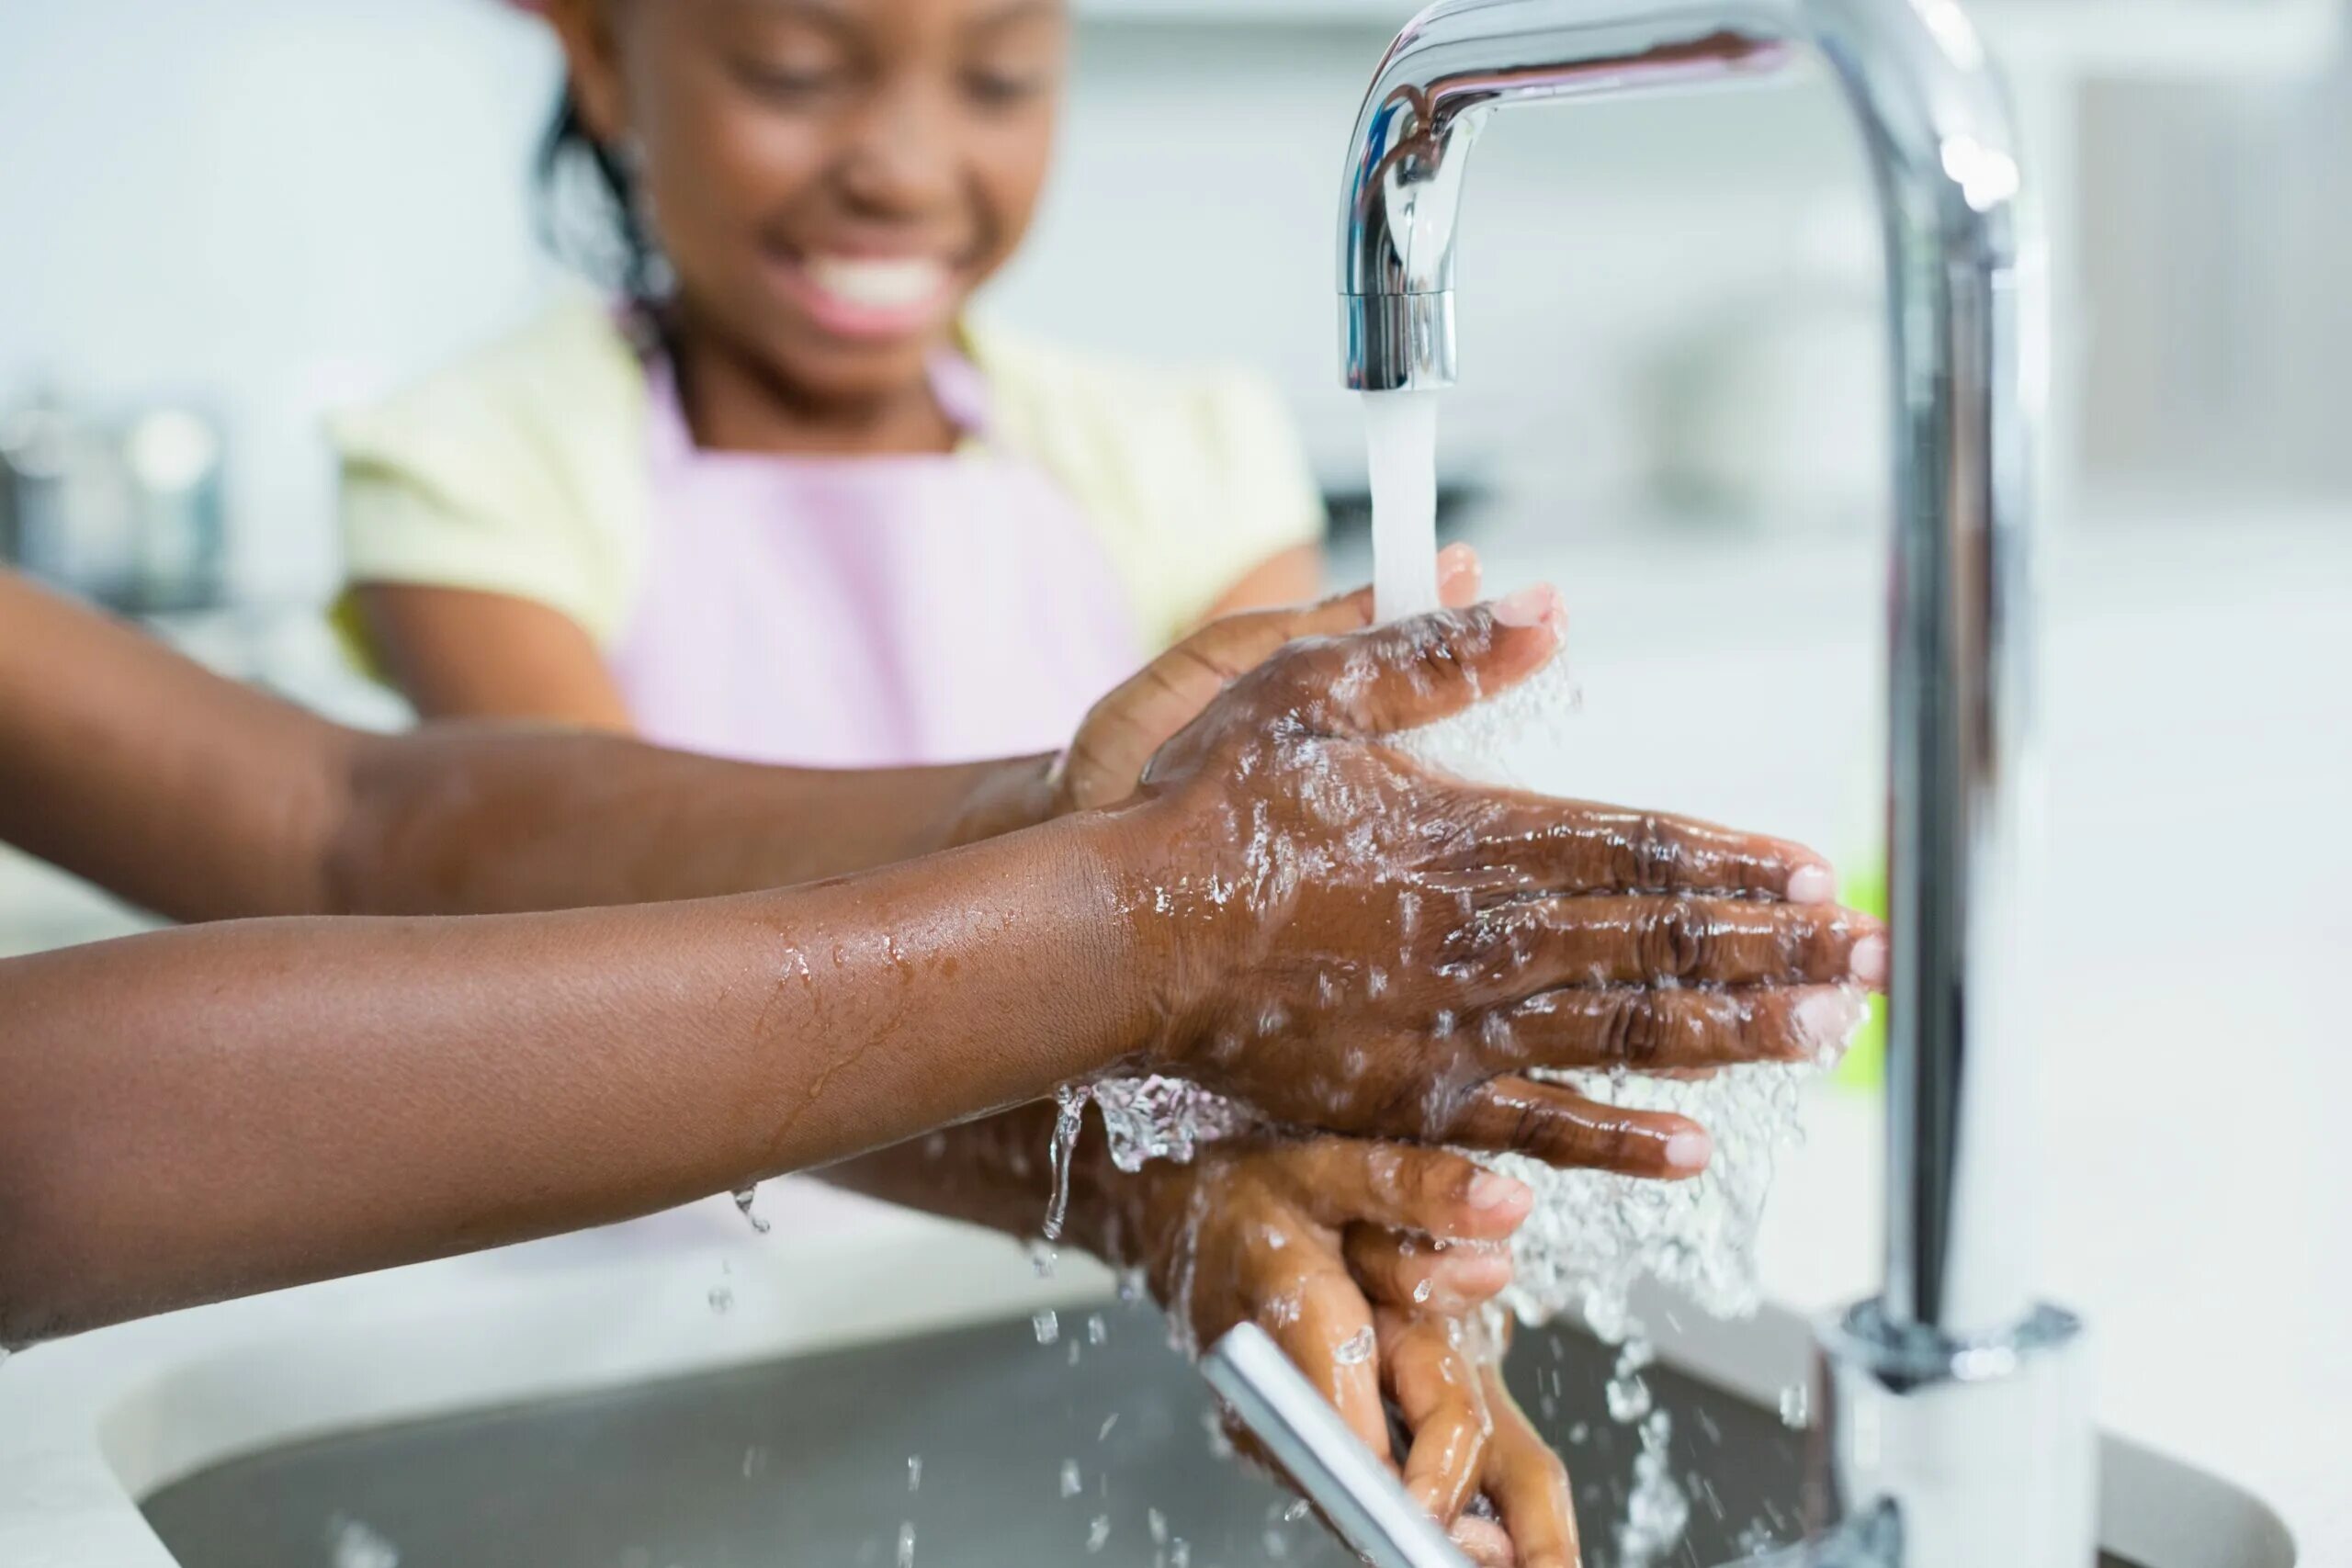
x=907 y=1545
x=1629 y=1399
x=1296 y=1512
x=755 y=1459
x=1097 y=1331
x=1357 y=1347
x=1156 y=1522
x=1795 y=1402
x=1072 y=1481
x=744 y=1199
x=1046 y=1325
x=1423 y=1291
x=1069 y=1120
x=355 y=1545
x=1098 y=1533
x=1043 y=1260
x=722 y=1300
x=914 y=1471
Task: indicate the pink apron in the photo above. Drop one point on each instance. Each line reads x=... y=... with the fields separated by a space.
x=858 y=613
x=866 y=612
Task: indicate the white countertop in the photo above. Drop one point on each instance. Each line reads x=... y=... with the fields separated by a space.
x=2200 y=756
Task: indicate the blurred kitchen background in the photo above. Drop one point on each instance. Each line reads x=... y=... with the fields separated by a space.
x=225 y=219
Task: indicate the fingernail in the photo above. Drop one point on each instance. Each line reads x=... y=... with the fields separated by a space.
x=1529 y=607
x=1812 y=885
x=1455 y=560
x=1491 y=1190
x=1869 y=961
x=1826 y=1021
x=1690 y=1150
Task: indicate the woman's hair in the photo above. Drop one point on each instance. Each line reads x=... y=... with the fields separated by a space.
x=590 y=215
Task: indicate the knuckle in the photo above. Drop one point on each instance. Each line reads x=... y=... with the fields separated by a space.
x=1634 y=1030
x=1679 y=941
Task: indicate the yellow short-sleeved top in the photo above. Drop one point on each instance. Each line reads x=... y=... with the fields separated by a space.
x=523 y=470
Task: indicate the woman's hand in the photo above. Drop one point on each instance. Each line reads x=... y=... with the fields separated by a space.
x=1353 y=941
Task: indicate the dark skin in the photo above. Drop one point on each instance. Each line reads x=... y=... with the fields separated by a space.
x=778 y=144
x=115 y=746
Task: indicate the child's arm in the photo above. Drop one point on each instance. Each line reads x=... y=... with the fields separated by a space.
x=202 y=799
x=459 y=653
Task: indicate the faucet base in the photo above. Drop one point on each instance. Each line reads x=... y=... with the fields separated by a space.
x=1966 y=1451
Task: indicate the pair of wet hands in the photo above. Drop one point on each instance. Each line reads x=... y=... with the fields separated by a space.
x=1377 y=953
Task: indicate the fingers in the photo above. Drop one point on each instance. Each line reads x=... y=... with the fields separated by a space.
x=1563 y=1128
x=1485 y=1543
x=1638 y=940
x=1646 y=1030
x=1437 y=1391
x=1459 y=577
x=1527 y=1484
x=1324 y=1324
x=1574 y=846
x=1402 y=1186
x=1120 y=733
x=1398 y=1269
x=1418 y=670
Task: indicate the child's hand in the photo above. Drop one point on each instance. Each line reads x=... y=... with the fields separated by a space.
x=1323 y=1241
x=1346 y=940
x=1120 y=733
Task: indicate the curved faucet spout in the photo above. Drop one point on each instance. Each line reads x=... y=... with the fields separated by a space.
x=1967 y=356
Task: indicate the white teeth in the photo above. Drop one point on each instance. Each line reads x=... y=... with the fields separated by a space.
x=878 y=284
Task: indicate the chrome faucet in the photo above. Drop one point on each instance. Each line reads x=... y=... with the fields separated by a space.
x=1954 y=1426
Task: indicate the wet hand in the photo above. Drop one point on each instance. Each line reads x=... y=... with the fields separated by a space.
x=1357 y=942
x=1310 y=1240
x=1119 y=734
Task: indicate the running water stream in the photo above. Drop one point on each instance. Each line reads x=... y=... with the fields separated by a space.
x=1592 y=1235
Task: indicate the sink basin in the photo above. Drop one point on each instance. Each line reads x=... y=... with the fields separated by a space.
x=581 y=1404
x=988 y=1447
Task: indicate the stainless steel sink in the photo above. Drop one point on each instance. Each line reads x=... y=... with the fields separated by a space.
x=974 y=1437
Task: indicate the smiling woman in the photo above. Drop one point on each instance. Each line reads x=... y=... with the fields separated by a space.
x=784 y=498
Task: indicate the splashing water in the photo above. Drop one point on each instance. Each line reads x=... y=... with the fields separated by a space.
x=1046 y=1325
x=1592 y=1234
x=351 y=1544
x=1657 y=1511
x=1069 y=1118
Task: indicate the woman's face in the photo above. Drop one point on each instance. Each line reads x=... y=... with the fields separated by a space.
x=829 y=179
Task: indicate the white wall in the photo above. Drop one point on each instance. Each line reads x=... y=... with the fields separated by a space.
x=286 y=204
x=276 y=204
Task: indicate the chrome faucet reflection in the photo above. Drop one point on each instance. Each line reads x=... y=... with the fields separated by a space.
x=1955 y=1410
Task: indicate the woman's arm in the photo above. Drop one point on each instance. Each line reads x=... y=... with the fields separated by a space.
x=196 y=1114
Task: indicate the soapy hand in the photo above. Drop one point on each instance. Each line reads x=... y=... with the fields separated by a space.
x=1360 y=944
x=1365 y=1262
